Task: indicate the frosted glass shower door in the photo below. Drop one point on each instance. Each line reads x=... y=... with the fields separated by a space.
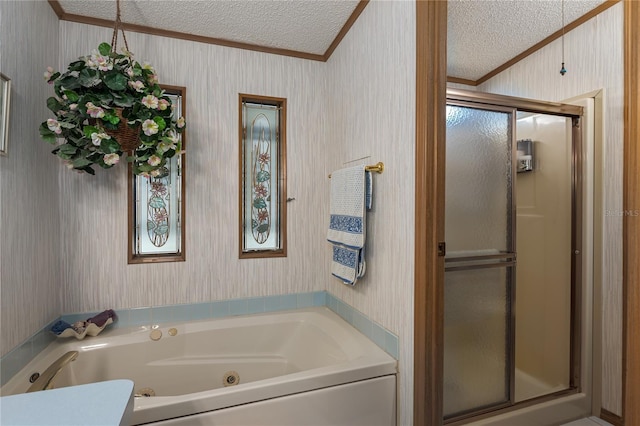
x=480 y=258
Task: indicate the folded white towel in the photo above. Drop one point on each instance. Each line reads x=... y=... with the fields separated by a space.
x=350 y=198
x=347 y=264
x=347 y=224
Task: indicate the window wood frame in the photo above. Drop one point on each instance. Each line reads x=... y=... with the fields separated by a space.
x=132 y=257
x=281 y=103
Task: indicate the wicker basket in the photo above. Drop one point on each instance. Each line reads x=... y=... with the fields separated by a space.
x=127 y=137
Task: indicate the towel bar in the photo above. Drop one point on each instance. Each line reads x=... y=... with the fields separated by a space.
x=377 y=168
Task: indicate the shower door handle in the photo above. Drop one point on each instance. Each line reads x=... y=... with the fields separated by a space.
x=480 y=261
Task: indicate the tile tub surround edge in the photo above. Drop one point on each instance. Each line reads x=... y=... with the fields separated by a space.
x=21 y=355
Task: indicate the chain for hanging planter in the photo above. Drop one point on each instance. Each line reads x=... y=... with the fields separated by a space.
x=117 y=25
x=128 y=137
x=107 y=104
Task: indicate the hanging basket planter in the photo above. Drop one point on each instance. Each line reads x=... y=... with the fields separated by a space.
x=128 y=137
x=106 y=105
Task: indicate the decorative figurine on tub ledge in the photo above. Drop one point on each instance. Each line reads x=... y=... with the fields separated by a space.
x=92 y=326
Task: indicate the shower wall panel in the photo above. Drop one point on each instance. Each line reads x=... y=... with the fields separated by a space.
x=543 y=278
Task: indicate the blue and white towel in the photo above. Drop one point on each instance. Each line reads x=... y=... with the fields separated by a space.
x=351 y=197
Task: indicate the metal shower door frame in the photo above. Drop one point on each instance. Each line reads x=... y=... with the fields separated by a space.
x=506 y=259
x=503 y=103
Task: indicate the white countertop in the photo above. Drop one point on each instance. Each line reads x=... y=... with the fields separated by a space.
x=104 y=403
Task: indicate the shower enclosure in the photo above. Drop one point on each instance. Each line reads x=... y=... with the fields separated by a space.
x=513 y=254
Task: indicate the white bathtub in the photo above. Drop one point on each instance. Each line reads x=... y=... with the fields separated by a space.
x=303 y=367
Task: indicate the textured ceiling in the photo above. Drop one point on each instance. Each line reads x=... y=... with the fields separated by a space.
x=484 y=34
x=308 y=26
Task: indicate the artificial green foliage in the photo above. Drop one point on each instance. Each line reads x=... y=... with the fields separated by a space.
x=86 y=103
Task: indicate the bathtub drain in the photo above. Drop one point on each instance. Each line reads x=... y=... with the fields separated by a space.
x=231 y=378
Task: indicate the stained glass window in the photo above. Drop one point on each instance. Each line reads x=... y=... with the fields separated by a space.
x=156 y=208
x=262 y=222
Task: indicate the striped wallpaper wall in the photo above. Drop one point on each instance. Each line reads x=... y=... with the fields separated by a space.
x=29 y=201
x=93 y=209
x=593 y=57
x=372 y=114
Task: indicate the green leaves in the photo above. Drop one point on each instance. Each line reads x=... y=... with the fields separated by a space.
x=88 y=78
x=111 y=116
x=76 y=66
x=137 y=69
x=142 y=166
x=47 y=134
x=104 y=49
x=263 y=176
x=115 y=81
x=53 y=77
x=103 y=99
x=67 y=151
x=157 y=90
x=66 y=125
x=86 y=169
x=54 y=105
x=123 y=100
x=99 y=83
x=81 y=162
x=88 y=130
x=109 y=146
x=69 y=82
x=161 y=123
x=71 y=95
x=96 y=157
